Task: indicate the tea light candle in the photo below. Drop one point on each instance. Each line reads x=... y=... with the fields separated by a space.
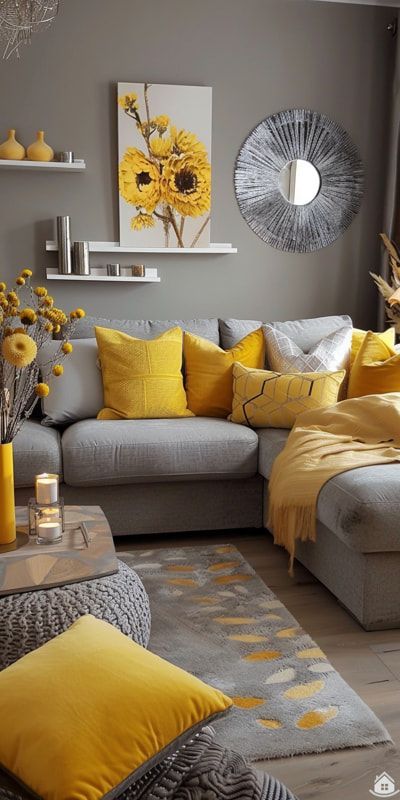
x=49 y=531
x=46 y=489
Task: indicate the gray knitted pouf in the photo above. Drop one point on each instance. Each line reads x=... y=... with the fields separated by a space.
x=30 y=619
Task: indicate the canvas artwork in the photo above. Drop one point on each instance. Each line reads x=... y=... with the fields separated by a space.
x=164 y=137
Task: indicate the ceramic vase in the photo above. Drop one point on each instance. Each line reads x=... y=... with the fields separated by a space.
x=11 y=149
x=40 y=150
x=7 y=500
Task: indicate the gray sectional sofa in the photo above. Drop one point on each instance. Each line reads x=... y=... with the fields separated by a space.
x=170 y=475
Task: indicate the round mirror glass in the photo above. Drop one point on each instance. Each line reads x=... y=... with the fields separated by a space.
x=299 y=182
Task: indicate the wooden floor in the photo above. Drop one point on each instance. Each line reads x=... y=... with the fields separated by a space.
x=369 y=662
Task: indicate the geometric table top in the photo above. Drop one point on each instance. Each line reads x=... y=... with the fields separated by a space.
x=26 y=566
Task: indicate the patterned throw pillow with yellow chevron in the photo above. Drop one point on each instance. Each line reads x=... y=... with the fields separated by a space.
x=264 y=399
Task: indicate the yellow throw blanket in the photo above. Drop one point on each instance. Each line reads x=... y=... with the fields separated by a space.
x=354 y=433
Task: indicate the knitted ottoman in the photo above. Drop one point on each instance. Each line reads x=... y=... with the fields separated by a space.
x=30 y=619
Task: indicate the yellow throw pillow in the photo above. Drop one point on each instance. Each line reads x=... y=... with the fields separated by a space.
x=142 y=379
x=376 y=369
x=209 y=371
x=88 y=713
x=388 y=337
x=264 y=399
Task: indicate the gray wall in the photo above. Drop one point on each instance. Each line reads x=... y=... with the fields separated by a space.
x=259 y=56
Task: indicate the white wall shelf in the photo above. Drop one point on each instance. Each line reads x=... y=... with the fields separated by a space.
x=53 y=275
x=115 y=247
x=36 y=166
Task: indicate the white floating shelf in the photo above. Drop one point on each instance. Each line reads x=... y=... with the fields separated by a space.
x=115 y=247
x=53 y=275
x=52 y=166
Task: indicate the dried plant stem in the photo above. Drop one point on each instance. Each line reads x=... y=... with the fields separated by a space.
x=146 y=102
x=174 y=225
x=200 y=231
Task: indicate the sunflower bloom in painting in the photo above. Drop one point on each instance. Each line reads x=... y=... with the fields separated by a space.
x=186 y=142
x=186 y=184
x=142 y=221
x=139 y=180
x=161 y=148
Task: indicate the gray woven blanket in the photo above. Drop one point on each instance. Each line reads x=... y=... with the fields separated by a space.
x=200 y=770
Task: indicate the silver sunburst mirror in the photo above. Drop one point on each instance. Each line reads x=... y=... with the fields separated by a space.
x=298 y=180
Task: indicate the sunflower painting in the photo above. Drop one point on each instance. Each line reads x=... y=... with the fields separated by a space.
x=164 y=166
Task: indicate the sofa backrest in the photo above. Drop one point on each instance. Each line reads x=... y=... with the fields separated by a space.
x=305 y=332
x=225 y=332
x=147 y=328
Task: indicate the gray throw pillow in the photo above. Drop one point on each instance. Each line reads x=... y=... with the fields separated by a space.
x=330 y=354
x=78 y=393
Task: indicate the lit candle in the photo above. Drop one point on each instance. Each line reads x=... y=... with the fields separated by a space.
x=49 y=531
x=46 y=488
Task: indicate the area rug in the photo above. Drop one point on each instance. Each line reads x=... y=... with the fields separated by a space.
x=213 y=616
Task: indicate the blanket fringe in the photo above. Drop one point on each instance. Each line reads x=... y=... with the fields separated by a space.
x=289 y=523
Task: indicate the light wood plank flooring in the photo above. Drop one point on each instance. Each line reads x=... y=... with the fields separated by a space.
x=369 y=662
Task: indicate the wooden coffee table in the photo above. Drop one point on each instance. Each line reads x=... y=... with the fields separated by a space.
x=26 y=566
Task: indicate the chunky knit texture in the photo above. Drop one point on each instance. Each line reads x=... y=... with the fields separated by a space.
x=201 y=769
x=30 y=619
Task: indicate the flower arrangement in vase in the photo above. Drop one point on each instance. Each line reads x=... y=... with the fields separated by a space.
x=390 y=291
x=28 y=319
x=168 y=180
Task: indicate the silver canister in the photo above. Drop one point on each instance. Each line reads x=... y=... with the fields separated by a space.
x=113 y=270
x=66 y=157
x=64 y=245
x=81 y=258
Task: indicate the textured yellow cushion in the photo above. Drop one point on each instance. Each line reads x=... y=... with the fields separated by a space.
x=209 y=371
x=82 y=713
x=376 y=369
x=388 y=337
x=264 y=399
x=141 y=378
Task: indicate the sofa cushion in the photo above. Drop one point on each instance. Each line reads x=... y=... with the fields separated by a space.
x=36 y=449
x=79 y=393
x=105 y=453
x=233 y=330
x=306 y=333
x=147 y=329
x=362 y=507
x=271 y=442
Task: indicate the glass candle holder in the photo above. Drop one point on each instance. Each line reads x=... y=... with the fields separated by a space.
x=49 y=525
x=39 y=514
x=46 y=489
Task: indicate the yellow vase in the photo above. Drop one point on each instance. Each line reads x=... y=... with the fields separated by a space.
x=7 y=500
x=11 y=149
x=40 y=150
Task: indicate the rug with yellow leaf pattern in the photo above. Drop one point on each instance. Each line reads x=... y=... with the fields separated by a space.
x=213 y=616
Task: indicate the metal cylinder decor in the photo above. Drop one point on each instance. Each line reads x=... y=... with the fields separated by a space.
x=298 y=180
x=81 y=258
x=64 y=245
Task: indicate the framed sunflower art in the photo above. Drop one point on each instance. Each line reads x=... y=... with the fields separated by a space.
x=164 y=171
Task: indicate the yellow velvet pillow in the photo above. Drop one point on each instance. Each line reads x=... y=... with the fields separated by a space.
x=376 y=369
x=142 y=379
x=264 y=399
x=90 y=711
x=358 y=336
x=209 y=371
